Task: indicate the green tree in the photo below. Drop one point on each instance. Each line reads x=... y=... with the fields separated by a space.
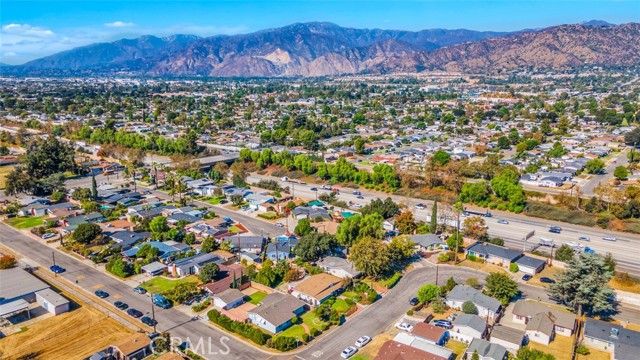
x=428 y=292
x=315 y=245
x=565 y=253
x=501 y=287
x=440 y=158
x=468 y=307
x=208 y=272
x=434 y=218
x=475 y=227
x=94 y=188
x=475 y=355
x=159 y=225
x=621 y=173
x=503 y=142
x=526 y=353
x=610 y=263
x=358 y=145
x=303 y=228
x=209 y=244
x=594 y=166
x=583 y=285
x=451 y=283
x=371 y=256
x=81 y=194
x=86 y=233
x=401 y=248
x=348 y=231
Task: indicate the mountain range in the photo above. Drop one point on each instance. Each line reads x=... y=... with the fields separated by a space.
x=320 y=48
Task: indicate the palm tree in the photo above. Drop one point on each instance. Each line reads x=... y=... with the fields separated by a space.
x=170 y=181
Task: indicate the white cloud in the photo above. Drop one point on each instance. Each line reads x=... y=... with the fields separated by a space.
x=119 y=24
x=26 y=30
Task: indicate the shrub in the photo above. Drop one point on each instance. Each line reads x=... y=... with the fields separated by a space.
x=203 y=305
x=305 y=337
x=582 y=350
x=444 y=257
x=603 y=222
x=294 y=320
x=469 y=307
x=252 y=333
x=269 y=215
x=438 y=305
x=410 y=312
x=393 y=280
x=473 y=282
x=314 y=332
x=284 y=343
x=472 y=257
x=514 y=268
x=7 y=262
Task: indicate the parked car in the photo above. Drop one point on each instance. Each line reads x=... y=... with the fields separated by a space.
x=134 y=313
x=279 y=224
x=348 y=352
x=503 y=221
x=446 y=324
x=526 y=277
x=314 y=189
x=609 y=238
x=584 y=238
x=420 y=206
x=362 y=341
x=57 y=269
x=101 y=294
x=139 y=290
x=413 y=301
x=149 y=321
x=357 y=192
x=547 y=280
x=48 y=236
x=404 y=326
x=120 y=305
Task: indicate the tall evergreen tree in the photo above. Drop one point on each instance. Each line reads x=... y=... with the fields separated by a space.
x=434 y=218
x=94 y=188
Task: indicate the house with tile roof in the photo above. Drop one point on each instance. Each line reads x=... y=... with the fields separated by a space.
x=317 y=288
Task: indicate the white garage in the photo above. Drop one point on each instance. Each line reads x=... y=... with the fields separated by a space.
x=52 y=301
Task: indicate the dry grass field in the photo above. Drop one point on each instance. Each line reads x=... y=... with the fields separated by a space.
x=73 y=335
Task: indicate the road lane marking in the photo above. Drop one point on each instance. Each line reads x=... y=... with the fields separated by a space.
x=97 y=286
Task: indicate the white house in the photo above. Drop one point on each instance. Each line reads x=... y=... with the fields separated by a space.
x=467 y=327
x=228 y=299
x=275 y=312
x=486 y=305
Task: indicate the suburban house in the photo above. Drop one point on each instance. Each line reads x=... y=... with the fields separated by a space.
x=433 y=334
x=393 y=350
x=154 y=268
x=486 y=350
x=623 y=343
x=486 y=305
x=229 y=276
x=467 y=327
x=508 y=337
x=543 y=321
x=281 y=250
x=136 y=347
x=38 y=209
x=317 y=288
x=493 y=254
x=165 y=250
x=428 y=242
x=310 y=212
x=339 y=267
x=72 y=222
x=126 y=239
x=192 y=265
x=531 y=265
x=247 y=243
x=228 y=299
x=275 y=312
x=434 y=351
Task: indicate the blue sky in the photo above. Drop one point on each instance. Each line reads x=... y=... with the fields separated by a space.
x=32 y=29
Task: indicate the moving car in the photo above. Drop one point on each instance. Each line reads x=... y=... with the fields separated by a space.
x=357 y=192
x=101 y=294
x=546 y=242
x=404 y=326
x=526 y=277
x=589 y=250
x=57 y=269
x=139 y=290
x=584 y=238
x=420 y=206
x=362 y=341
x=555 y=230
x=149 y=321
x=413 y=301
x=360 y=197
x=502 y=221
x=120 y=305
x=348 y=352
x=314 y=189
x=279 y=224
x=547 y=280
x=446 y=324
x=609 y=238
x=134 y=313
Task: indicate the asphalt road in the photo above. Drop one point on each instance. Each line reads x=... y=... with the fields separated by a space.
x=589 y=186
x=624 y=249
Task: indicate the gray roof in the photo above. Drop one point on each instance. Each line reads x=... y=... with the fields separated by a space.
x=52 y=297
x=530 y=309
x=627 y=342
x=507 y=333
x=334 y=262
x=467 y=293
x=229 y=295
x=278 y=308
x=494 y=250
x=530 y=262
x=153 y=267
x=426 y=240
x=199 y=260
x=16 y=283
x=470 y=320
x=245 y=241
x=542 y=322
x=487 y=350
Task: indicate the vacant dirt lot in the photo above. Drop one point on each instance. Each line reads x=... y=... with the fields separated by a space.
x=73 y=335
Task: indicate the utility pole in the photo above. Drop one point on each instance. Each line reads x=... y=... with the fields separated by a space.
x=153 y=313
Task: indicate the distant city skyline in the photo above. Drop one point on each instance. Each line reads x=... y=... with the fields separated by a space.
x=33 y=29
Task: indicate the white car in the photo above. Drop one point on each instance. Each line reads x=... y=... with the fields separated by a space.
x=609 y=238
x=348 y=352
x=357 y=206
x=48 y=236
x=573 y=244
x=404 y=326
x=362 y=341
x=279 y=224
x=420 y=207
x=502 y=221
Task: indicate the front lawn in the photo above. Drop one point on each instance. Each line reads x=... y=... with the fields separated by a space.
x=256 y=297
x=234 y=229
x=25 y=222
x=215 y=200
x=312 y=321
x=342 y=306
x=458 y=348
x=293 y=331
x=161 y=284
